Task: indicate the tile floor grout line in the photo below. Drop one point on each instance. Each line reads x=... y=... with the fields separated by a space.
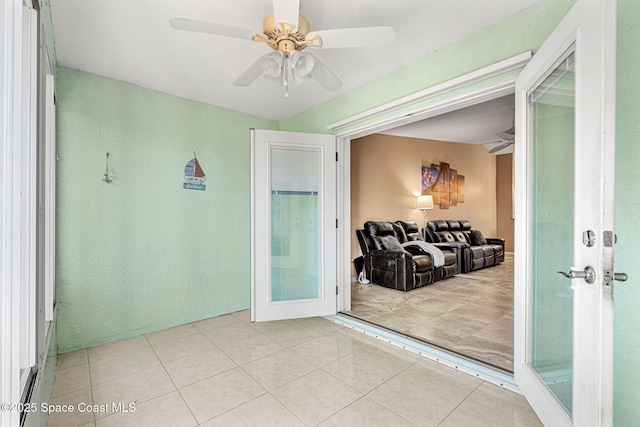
x=136 y=402
x=164 y=367
x=230 y=409
x=381 y=404
x=451 y=412
x=281 y=385
x=504 y=414
x=188 y=407
x=285 y=406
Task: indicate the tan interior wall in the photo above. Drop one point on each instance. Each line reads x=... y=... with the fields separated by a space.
x=504 y=190
x=386 y=172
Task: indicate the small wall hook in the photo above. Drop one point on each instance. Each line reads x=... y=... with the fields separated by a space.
x=107 y=174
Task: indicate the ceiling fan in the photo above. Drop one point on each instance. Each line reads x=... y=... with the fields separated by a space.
x=288 y=34
x=507 y=137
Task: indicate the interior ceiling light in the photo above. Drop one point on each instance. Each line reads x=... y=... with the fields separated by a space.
x=288 y=33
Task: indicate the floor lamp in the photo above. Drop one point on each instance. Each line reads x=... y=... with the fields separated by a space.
x=424 y=203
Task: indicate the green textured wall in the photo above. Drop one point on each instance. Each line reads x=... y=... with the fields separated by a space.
x=627 y=294
x=141 y=253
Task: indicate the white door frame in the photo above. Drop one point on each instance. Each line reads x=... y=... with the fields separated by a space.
x=18 y=38
x=398 y=113
x=263 y=307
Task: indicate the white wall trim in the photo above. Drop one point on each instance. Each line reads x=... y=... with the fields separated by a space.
x=422 y=113
x=450 y=85
x=343 y=195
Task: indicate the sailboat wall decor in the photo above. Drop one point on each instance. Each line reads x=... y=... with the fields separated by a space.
x=193 y=175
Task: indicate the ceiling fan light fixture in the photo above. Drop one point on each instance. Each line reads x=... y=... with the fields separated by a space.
x=302 y=64
x=272 y=65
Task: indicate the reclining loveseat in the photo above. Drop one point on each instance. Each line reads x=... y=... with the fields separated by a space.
x=477 y=251
x=393 y=259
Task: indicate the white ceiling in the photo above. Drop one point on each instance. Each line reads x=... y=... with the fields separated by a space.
x=477 y=124
x=131 y=41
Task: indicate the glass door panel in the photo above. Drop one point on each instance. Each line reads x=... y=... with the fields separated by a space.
x=294 y=224
x=551 y=115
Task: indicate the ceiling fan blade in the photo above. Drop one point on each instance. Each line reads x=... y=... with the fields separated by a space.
x=500 y=147
x=252 y=73
x=353 y=37
x=324 y=76
x=508 y=134
x=210 y=28
x=286 y=10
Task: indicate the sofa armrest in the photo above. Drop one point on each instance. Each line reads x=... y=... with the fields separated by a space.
x=495 y=241
x=462 y=251
x=415 y=250
x=452 y=245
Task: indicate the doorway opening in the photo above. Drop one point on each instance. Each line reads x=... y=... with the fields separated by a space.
x=484 y=85
x=471 y=313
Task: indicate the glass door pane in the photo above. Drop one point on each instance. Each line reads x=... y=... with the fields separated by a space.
x=551 y=116
x=295 y=256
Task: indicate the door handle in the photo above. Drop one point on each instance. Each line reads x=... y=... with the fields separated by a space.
x=589 y=274
x=620 y=277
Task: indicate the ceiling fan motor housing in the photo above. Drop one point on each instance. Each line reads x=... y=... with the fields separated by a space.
x=282 y=38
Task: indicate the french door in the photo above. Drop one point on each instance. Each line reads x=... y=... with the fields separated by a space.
x=565 y=100
x=293 y=218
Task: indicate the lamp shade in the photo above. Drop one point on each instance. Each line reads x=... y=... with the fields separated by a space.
x=424 y=202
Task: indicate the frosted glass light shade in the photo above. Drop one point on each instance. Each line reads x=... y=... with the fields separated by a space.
x=272 y=65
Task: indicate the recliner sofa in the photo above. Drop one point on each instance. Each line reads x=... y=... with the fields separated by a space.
x=387 y=263
x=478 y=251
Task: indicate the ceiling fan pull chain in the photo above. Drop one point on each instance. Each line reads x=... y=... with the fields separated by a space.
x=285 y=75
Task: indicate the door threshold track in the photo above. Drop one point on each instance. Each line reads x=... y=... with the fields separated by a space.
x=464 y=364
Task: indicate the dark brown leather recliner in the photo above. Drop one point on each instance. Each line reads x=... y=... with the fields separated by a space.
x=389 y=266
x=387 y=263
x=478 y=251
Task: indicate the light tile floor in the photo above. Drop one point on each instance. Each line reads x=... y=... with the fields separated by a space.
x=470 y=314
x=226 y=371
